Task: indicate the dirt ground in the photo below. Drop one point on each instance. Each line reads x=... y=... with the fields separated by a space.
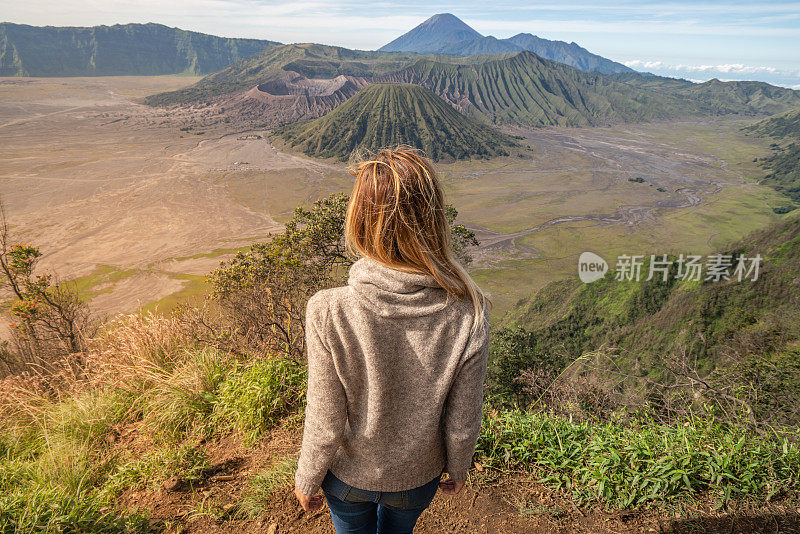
x=496 y=503
x=96 y=179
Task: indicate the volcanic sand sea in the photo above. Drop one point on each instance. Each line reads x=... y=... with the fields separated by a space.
x=137 y=204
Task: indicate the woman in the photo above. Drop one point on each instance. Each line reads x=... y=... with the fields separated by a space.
x=396 y=358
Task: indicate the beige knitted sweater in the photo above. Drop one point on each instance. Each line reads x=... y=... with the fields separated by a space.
x=395 y=382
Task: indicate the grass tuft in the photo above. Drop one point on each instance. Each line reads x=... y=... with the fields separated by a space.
x=278 y=475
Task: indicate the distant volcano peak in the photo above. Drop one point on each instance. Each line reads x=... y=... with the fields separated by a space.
x=440 y=28
x=447 y=34
x=449 y=20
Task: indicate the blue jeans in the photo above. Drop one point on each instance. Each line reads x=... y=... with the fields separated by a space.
x=357 y=511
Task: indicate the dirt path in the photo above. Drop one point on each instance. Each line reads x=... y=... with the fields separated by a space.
x=492 y=503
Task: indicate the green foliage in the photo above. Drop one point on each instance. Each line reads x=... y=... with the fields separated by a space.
x=461 y=237
x=184 y=399
x=121 y=49
x=52 y=470
x=51 y=318
x=31 y=508
x=153 y=467
x=265 y=289
x=778 y=126
x=784 y=171
x=254 y=399
x=511 y=351
x=626 y=466
x=383 y=115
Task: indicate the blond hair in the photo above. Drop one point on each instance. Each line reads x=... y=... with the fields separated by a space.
x=397 y=216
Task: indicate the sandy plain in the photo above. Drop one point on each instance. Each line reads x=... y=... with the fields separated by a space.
x=136 y=204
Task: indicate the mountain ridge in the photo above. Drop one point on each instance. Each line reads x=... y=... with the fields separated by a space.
x=445 y=33
x=528 y=90
x=120 y=49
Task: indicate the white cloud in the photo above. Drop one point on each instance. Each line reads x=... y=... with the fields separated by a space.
x=638 y=63
x=723 y=68
x=674 y=26
x=729 y=68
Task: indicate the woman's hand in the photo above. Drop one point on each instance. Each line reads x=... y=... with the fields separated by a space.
x=309 y=503
x=450 y=487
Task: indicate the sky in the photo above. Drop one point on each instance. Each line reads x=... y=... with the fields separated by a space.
x=696 y=40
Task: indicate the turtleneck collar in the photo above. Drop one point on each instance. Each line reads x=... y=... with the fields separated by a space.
x=393 y=293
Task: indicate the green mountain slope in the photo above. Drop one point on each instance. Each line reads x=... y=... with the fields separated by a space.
x=784 y=164
x=785 y=125
x=387 y=114
x=717 y=97
x=529 y=90
x=129 y=49
x=653 y=323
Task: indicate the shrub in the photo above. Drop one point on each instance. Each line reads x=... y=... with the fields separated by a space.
x=254 y=399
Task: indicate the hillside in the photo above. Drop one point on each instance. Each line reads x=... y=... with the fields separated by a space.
x=519 y=88
x=528 y=90
x=713 y=326
x=447 y=34
x=718 y=97
x=129 y=49
x=785 y=125
x=388 y=114
x=784 y=164
x=192 y=421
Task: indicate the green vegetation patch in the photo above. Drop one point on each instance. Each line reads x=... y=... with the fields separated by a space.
x=627 y=466
x=253 y=399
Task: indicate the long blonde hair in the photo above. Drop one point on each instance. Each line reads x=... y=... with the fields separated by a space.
x=397 y=216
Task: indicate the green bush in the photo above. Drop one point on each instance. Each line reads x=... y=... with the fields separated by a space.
x=629 y=465
x=254 y=399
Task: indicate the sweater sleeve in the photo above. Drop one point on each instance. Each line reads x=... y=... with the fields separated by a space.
x=464 y=407
x=326 y=405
